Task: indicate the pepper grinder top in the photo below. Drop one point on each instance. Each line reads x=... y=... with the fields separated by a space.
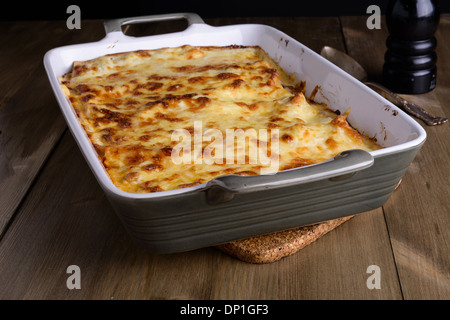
x=410 y=59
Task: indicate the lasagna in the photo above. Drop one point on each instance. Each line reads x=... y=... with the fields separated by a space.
x=173 y=118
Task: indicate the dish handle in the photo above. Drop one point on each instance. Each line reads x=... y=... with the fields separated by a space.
x=342 y=166
x=115 y=25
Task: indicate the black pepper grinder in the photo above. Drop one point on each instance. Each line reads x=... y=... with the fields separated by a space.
x=410 y=59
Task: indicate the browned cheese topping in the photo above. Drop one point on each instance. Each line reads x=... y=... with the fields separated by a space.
x=162 y=119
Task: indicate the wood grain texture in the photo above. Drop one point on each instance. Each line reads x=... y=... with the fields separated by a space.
x=62 y=218
x=30 y=120
x=417 y=214
x=68 y=221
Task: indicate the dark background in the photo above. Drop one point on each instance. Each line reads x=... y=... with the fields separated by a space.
x=56 y=10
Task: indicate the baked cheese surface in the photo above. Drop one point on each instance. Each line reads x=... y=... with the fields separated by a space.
x=176 y=117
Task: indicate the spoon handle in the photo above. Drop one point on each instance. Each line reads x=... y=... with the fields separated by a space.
x=406 y=106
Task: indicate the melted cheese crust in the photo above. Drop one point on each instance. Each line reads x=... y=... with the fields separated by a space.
x=131 y=103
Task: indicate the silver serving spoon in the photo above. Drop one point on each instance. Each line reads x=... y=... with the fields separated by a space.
x=351 y=66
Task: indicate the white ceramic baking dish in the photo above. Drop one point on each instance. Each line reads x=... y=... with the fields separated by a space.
x=234 y=207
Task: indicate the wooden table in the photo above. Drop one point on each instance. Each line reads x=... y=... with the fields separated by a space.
x=53 y=213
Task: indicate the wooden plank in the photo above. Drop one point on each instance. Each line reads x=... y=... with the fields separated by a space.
x=30 y=120
x=334 y=267
x=418 y=213
x=39 y=238
x=25 y=43
x=30 y=126
x=66 y=220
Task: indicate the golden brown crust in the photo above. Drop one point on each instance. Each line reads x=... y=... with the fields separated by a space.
x=131 y=104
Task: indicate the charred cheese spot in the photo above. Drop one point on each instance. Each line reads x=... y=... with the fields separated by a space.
x=79 y=69
x=87 y=97
x=143 y=53
x=192 y=184
x=331 y=143
x=237 y=83
x=131 y=103
x=131 y=176
x=158 y=77
x=175 y=87
x=276 y=118
x=251 y=107
x=226 y=75
x=196 y=79
x=148 y=187
x=287 y=138
x=145 y=137
x=166 y=151
x=153 y=167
